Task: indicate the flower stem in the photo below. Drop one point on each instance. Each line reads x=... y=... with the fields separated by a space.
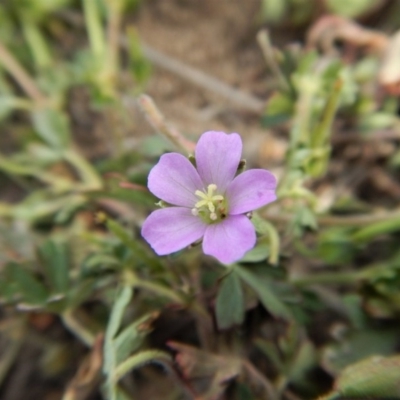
x=132 y=279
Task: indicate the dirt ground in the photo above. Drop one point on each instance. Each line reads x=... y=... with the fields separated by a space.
x=218 y=38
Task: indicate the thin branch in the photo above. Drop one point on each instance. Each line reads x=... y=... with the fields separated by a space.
x=157 y=120
x=238 y=98
x=268 y=51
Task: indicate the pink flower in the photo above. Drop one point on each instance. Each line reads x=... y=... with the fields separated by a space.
x=208 y=202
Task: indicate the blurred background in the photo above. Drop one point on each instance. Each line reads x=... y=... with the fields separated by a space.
x=91 y=93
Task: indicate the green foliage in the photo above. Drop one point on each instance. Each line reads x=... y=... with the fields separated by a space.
x=260 y=283
x=119 y=344
x=230 y=302
x=318 y=292
x=52 y=127
x=374 y=377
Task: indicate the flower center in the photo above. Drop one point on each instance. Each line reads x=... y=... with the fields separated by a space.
x=211 y=207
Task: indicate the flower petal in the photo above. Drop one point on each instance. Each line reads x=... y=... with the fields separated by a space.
x=171 y=229
x=217 y=158
x=251 y=190
x=230 y=239
x=174 y=179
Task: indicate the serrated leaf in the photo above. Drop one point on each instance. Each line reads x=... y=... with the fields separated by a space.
x=230 y=302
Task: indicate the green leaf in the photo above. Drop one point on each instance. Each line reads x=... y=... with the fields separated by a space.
x=357 y=346
x=230 y=302
x=56 y=264
x=139 y=65
x=267 y=297
x=52 y=127
x=123 y=298
x=304 y=359
x=134 y=245
x=376 y=229
x=375 y=377
x=32 y=290
x=266 y=228
x=259 y=253
x=273 y=10
x=132 y=336
x=352 y=8
x=279 y=110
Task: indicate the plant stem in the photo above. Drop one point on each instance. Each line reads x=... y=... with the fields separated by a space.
x=330 y=220
x=14 y=68
x=37 y=45
x=87 y=173
x=322 y=132
x=113 y=34
x=94 y=27
x=157 y=120
x=333 y=278
x=80 y=331
x=264 y=42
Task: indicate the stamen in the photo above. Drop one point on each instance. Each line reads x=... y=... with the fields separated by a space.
x=201 y=203
x=208 y=200
x=201 y=194
x=211 y=189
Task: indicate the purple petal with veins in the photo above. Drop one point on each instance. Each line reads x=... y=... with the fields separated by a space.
x=251 y=190
x=230 y=239
x=216 y=214
x=217 y=158
x=174 y=179
x=172 y=229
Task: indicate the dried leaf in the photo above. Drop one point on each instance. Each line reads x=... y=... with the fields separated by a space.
x=208 y=373
x=88 y=375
